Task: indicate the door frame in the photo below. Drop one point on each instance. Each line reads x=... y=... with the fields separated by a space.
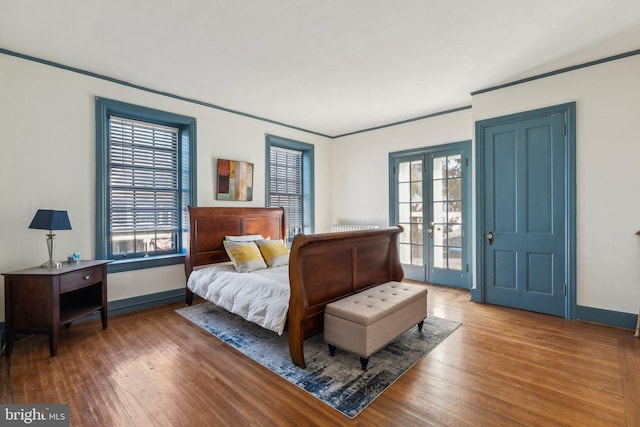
x=568 y=110
x=425 y=152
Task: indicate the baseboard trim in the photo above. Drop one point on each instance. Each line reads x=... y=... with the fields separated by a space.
x=145 y=302
x=130 y=305
x=606 y=317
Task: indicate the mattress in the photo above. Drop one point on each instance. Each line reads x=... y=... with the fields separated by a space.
x=261 y=296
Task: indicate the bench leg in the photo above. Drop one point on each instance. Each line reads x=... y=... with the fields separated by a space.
x=363 y=362
x=420 y=325
x=332 y=350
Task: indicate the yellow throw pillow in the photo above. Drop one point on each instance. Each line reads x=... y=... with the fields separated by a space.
x=274 y=252
x=245 y=256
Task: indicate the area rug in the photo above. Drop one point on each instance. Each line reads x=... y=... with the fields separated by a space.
x=338 y=381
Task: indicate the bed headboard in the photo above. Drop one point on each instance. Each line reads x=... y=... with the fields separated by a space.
x=209 y=225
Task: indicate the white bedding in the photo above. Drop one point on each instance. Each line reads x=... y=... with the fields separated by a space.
x=261 y=296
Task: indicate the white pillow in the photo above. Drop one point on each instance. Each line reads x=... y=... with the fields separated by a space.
x=245 y=238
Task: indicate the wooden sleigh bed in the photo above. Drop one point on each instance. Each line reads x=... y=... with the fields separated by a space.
x=322 y=267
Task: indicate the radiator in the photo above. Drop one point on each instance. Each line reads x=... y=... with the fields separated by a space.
x=352 y=227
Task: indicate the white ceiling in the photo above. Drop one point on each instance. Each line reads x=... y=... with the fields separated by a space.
x=328 y=66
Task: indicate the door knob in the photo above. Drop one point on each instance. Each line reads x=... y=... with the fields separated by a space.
x=430 y=229
x=490 y=237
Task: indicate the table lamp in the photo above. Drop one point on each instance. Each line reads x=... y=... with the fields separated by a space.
x=51 y=220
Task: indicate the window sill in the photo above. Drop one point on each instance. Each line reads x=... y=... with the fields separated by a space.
x=143 y=263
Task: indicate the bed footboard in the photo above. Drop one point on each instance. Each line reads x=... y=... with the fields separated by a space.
x=327 y=267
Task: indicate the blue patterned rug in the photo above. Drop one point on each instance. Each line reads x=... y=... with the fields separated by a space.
x=338 y=381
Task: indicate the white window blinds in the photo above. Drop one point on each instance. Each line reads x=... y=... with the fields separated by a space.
x=143 y=181
x=286 y=186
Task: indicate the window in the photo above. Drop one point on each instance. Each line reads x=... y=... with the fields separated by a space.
x=290 y=183
x=285 y=179
x=145 y=175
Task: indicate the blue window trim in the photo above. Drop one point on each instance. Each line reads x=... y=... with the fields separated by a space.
x=308 y=213
x=104 y=108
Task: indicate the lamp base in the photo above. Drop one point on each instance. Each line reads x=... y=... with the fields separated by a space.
x=51 y=264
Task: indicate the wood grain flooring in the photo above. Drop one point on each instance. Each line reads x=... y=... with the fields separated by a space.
x=502 y=367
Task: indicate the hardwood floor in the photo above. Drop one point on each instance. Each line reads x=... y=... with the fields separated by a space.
x=502 y=367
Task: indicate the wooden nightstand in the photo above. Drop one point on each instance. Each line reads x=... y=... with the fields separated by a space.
x=40 y=300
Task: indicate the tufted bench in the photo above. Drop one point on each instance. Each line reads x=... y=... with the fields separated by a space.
x=365 y=322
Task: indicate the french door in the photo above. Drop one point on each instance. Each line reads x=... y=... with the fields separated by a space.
x=430 y=193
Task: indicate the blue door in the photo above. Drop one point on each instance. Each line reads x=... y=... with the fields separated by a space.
x=430 y=191
x=523 y=205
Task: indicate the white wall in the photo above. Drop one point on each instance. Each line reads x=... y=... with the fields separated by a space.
x=607 y=100
x=47 y=127
x=361 y=163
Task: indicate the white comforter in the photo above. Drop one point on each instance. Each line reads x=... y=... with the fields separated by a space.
x=261 y=296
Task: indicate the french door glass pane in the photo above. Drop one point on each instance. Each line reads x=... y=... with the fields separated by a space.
x=454 y=212
x=455 y=259
x=416 y=254
x=439 y=168
x=454 y=236
x=439 y=190
x=447 y=212
x=404 y=211
x=405 y=236
x=439 y=235
x=454 y=189
x=410 y=215
x=416 y=192
x=405 y=253
x=404 y=192
x=439 y=212
x=439 y=257
x=454 y=166
x=416 y=234
x=403 y=171
x=416 y=171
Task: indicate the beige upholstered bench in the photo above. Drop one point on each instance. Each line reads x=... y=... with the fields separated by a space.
x=365 y=322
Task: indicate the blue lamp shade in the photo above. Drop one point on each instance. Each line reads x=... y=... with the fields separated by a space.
x=51 y=220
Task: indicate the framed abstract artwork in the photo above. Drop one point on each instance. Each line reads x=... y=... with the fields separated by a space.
x=235 y=180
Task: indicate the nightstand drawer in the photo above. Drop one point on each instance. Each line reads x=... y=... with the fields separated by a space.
x=80 y=279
